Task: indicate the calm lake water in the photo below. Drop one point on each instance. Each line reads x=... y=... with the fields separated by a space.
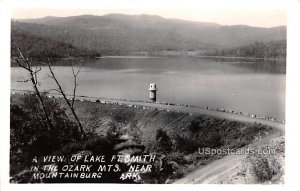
x=255 y=87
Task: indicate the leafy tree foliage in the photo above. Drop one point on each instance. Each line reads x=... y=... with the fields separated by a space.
x=164 y=143
x=37 y=47
x=29 y=132
x=206 y=132
x=31 y=138
x=273 y=49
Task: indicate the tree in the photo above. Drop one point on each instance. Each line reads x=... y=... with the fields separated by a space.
x=27 y=65
x=33 y=71
x=164 y=143
x=60 y=90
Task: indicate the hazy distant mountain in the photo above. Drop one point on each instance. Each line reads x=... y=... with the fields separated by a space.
x=116 y=32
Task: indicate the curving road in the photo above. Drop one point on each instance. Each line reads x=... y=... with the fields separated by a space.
x=197 y=110
x=225 y=167
x=181 y=108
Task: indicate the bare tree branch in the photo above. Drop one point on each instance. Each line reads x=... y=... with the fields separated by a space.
x=75 y=74
x=61 y=91
x=35 y=75
x=28 y=64
x=34 y=81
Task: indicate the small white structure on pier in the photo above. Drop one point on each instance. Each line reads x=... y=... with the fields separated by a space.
x=152 y=89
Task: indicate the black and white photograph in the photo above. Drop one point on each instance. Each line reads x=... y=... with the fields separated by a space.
x=147 y=92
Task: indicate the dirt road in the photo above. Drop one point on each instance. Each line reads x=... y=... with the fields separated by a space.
x=180 y=108
x=222 y=169
x=210 y=173
x=197 y=110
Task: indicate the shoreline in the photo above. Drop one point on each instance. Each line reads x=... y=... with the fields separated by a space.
x=184 y=108
x=162 y=55
x=246 y=58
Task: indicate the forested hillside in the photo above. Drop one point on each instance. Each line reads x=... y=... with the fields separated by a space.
x=37 y=47
x=273 y=49
x=115 y=33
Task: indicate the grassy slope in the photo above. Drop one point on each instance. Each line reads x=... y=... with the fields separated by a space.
x=144 y=123
x=148 y=120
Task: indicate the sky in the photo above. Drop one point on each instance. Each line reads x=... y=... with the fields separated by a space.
x=262 y=13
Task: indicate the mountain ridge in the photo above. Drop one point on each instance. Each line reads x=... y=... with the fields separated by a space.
x=118 y=32
x=117 y=15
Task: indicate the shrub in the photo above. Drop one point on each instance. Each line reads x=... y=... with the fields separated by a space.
x=29 y=133
x=162 y=170
x=164 y=143
x=186 y=144
x=263 y=167
x=194 y=126
x=94 y=145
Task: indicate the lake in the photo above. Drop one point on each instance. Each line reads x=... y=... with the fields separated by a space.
x=245 y=86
